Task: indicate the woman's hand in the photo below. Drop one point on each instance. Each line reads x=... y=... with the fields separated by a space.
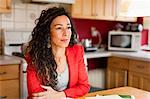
x=49 y=94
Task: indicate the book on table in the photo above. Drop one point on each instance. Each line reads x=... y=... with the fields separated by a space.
x=112 y=97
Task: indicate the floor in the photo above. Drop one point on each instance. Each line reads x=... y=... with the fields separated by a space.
x=93 y=89
x=97 y=79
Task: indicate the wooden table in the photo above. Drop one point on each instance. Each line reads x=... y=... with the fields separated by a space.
x=138 y=93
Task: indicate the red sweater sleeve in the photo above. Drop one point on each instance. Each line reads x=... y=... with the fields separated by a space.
x=33 y=84
x=82 y=86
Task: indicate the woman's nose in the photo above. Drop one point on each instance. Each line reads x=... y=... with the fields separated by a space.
x=66 y=32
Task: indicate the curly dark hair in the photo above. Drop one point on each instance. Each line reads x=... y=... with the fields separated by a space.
x=42 y=56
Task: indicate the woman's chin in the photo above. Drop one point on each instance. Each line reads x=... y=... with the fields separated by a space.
x=64 y=45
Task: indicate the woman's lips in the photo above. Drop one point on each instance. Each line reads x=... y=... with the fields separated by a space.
x=64 y=40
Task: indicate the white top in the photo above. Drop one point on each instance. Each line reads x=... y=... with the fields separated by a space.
x=63 y=80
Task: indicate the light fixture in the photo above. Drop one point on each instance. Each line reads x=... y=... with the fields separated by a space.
x=134 y=8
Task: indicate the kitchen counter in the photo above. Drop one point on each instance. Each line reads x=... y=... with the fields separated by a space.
x=140 y=55
x=6 y=60
x=97 y=54
x=137 y=93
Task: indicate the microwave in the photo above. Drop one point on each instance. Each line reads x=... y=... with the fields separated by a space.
x=124 y=41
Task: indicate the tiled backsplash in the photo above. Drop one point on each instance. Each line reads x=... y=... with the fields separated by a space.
x=22 y=16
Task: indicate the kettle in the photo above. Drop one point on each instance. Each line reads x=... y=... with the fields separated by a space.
x=87 y=43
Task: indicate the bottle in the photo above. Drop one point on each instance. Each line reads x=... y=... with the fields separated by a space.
x=140 y=27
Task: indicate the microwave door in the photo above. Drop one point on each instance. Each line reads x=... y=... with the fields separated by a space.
x=122 y=41
x=125 y=41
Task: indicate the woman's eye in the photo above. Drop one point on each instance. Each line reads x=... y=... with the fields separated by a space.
x=69 y=27
x=58 y=28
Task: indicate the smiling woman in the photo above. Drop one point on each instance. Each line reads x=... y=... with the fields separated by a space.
x=56 y=66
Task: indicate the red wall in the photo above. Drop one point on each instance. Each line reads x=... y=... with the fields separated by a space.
x=145 y=37
x=83 y=27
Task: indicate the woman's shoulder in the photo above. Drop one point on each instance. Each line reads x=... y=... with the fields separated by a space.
x=76 y=47
x=28 y=58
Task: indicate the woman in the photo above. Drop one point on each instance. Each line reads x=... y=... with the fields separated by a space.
x=55 y=61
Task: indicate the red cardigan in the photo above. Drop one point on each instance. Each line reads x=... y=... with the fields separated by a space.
x=78 y=79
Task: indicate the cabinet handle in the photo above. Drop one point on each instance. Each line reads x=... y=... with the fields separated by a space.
x=3 y=73
x=24 y=71
x=8 y=5
x=139 y=66
x=2 y=97
x=125 y=78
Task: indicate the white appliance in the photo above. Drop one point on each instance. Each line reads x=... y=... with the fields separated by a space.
x=13 y=43
x=124 y=41
x=51 y=1
x=23 y=80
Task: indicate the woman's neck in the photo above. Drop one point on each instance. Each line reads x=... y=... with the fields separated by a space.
x=58 y=52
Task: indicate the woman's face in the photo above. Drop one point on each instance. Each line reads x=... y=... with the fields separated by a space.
x=60 y=31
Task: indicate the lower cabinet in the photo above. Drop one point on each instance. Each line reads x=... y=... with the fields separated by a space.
x=116 y=77
x=9 y=82
x=9 y=89
x=139 y=80
x=117 y=72
x=128 y=72
x=139 y=74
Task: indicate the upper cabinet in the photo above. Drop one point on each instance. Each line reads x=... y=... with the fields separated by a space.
x=98 y=9
x=121 y=18
x=83 y=9
x=5 y=6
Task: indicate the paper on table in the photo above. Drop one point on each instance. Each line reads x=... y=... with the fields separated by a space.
x=110 y=97
x=105 y=97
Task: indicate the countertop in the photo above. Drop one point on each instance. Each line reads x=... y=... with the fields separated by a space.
x=138 y=93
x=6 y=60
x=97 y=54
x=139 y=55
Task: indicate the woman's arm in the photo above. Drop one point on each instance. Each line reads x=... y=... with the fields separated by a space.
x=49 y=94
x=82 y=86
x=33 y=83
x=35 y=89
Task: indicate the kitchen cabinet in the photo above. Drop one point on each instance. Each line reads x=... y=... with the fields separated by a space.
x=117 y=77
x=128 y=72
x=9 y=81
x=98 y=9
x=117 y=72
x=5 y=6
x=139 y=75
x=122 y=18
x=109 y=9
x=89 y=9
x=82 y=9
